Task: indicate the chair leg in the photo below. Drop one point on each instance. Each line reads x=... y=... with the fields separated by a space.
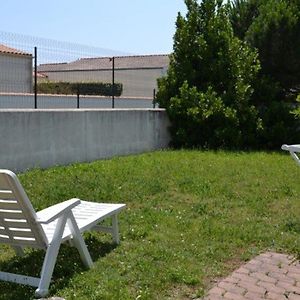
x=50 y=258
x=115 y=229
x=79 y=243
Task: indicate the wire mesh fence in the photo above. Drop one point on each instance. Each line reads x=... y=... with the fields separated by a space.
x=42 y=73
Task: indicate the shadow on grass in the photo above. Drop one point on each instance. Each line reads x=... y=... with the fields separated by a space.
x=68 y=264
x=292 y=225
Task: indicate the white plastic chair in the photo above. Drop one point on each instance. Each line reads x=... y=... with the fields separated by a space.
x=21 y=226
x=293 y=149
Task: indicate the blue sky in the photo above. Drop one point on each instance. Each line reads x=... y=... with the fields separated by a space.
x=130 y=26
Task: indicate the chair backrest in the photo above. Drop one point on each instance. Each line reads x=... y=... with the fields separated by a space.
x=18 y=226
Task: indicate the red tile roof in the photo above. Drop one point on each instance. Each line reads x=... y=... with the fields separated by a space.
x=8 y=50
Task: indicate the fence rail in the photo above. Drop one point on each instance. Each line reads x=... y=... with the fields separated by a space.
x=44 y=101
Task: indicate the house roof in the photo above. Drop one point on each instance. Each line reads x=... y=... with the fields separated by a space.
x=105 y=63
x=8 y=50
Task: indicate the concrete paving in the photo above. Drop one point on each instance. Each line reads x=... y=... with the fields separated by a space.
x=268 y=276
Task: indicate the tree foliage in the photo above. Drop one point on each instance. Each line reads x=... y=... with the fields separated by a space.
x=234 y=74
x=242 y=14
x=208 y=88
x=273 y=27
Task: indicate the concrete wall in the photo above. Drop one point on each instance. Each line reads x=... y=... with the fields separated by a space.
x=44 y=138
x=15 y=73
x=70 y=101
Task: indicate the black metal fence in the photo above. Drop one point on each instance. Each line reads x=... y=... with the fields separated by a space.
x=40 y=73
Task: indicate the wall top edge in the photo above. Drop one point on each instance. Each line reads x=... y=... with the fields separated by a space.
x=78 y=109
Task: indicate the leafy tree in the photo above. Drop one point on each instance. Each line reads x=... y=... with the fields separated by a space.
x=273 y=27
x=242 y=15
x=208 y=86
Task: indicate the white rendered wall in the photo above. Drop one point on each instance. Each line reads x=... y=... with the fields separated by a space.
x=44 y=138
x=15 y=73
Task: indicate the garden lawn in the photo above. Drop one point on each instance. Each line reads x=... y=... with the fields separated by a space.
x=191 y=217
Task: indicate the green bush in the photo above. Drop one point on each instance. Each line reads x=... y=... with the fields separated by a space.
x=280 y=126
x=234 y=75
x=54 y=88
x=83 y=88
x=208 y=86
x=202 y=119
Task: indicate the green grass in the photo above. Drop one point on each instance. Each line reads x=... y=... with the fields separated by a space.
x=191 y=217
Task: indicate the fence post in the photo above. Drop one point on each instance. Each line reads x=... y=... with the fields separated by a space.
x=35 y=77
x=154 y=98
x=113 y=82
x=78 y=104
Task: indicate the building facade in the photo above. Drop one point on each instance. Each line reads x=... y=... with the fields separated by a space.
x=138 y=74
x=15 y=71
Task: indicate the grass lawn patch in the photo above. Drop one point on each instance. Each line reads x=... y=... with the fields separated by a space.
x=191 y=217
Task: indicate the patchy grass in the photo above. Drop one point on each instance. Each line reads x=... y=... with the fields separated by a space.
x=191 y=217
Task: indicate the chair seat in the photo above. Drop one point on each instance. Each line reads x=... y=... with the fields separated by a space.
x=87 y=215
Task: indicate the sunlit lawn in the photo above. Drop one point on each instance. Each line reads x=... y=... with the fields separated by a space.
x=191 y=217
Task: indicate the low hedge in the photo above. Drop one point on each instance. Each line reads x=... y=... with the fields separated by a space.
x=83 y=88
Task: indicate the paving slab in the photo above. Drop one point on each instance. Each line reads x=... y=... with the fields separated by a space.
x=270 y=275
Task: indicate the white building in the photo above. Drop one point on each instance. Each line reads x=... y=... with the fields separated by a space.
x=138 y=74
x=15 y=71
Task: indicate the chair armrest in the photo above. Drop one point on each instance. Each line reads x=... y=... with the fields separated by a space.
x=51 y=213
x=291 y=148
